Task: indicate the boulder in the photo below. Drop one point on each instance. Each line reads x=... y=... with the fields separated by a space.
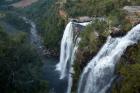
x=81 y=19
x=116 y=32
x=84 y=19
x=132 y=14
x=132 y=10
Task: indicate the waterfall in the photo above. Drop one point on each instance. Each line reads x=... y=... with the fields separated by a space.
x=66 y=50
x=69 y=45
x=99 y=73
x=70 y=79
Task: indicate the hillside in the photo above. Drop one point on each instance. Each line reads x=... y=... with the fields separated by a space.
x=58 y=24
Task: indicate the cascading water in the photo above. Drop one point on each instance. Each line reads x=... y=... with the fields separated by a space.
x=66 y=50
x=99 y=73
x=69 y=45
x=70 y=79
x=34 y=37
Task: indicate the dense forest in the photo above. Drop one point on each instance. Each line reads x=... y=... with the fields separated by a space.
x=21 y=64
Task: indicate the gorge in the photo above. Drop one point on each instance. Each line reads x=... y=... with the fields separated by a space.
x=36 y=41
x=69 y=46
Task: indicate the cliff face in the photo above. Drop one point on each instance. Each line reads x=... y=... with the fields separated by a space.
x=92 y=39
x=128 y=71
x=51 y=25
x=129 y=65
x=95 y=36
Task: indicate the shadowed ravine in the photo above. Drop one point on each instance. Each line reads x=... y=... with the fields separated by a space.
x=55 y=84
x=97 y=76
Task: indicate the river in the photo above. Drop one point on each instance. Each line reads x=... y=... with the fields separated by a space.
x=55 y=85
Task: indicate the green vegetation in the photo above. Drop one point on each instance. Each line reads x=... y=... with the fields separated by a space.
x=50 y=25
x=93 y=37
x=112 y=10
x=129 y=70
x=96 y=7
x=15 y=21
x=20 y=66
x=90 y=43
x=37 y=11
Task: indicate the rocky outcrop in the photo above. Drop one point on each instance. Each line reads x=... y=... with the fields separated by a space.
x=50 y=53
x=63 y=14
x=132 y=14
x=132 y=10
x=84 y=19
x=81 y=19
x=117 y=32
